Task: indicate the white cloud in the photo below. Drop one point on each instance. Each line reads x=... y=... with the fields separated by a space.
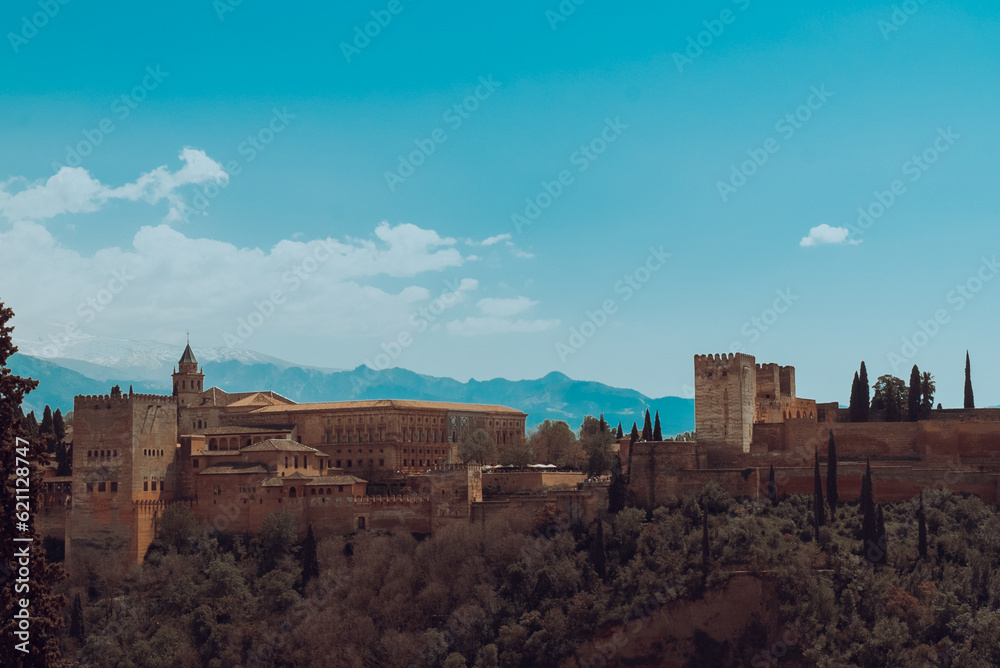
x=504 y=308
x=496 y=239
x=489 y=325
x=172 y=279
x=74 y=190
x=824 y=234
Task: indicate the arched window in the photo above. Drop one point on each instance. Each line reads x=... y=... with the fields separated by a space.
x=291 y=492
x=212 y=444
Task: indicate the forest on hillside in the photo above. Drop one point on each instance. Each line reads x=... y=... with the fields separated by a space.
x=529 y=590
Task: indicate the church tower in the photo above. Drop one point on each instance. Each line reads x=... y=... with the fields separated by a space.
x=188 y=379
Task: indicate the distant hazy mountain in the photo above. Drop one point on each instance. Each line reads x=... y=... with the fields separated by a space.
x=94 y=367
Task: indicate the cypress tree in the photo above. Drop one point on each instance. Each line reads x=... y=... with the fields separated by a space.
x=634 y=434
x=819 y=505
x=913 y=396
x=647 y=428
x=602 y=425
x=831 y=477
x=657 y=433
x=310 y=563
x=970 y=402
x=772 y=487
x=706 y=553
x=46 y=426
x=881 y=539
x=922 y=529
x=869 y=528
x=617 y=488
x=619 y=434
x=58 y=426
x=76 y=624
x=864 y=396
x=854 y=408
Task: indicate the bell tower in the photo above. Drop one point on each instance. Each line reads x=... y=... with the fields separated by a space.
x=188 y=379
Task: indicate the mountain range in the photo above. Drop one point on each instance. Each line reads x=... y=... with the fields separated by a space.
x=93 y=365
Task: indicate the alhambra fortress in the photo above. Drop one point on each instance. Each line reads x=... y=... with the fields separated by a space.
x=236 y=457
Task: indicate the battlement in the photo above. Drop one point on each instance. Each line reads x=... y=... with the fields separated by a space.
x=120 y=399
x=705 y=364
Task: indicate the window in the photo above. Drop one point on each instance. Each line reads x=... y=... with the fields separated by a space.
x=90 y=487
x=338 y=463
x=145 y=486
x=296 y=461
x=194 y=463
x=101 y=487
x=381 y=462
x=361 y=523
x=286 y=462
x=305 y=461
x=114 y=487
x=153 y=488
x=312 y=492
x=340 y=488
x=348 y=463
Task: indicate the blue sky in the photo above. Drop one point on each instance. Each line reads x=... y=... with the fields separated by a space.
x=250 y=161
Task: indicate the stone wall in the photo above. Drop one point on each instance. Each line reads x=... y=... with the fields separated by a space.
x=511 y=482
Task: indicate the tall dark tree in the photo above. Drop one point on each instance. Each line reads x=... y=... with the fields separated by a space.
x=602 y=425
x=832 y=495
x=76 y=625
x=634 y=434
x=872 y=547
x=46 y=609
x=927 y=389
x=819 y=504
x=617 y=489
x=310 y=563
x=657 y=432
x=854 y=408
x=881 y=538
x=619 y=434
x=913 y=396
x=970 y=401
x=864 y=395
x=46 y=426
x=58 y=426
x=706 y=551
x=647 y=428
x=772 y=487
x=922 y=529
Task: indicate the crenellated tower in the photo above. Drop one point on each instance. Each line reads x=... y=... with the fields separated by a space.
x=725 y=389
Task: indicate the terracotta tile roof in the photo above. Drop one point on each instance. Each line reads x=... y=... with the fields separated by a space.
x=279 y=444
x=215 y=396
x=235 y=468
x=389 y=403
x=335 y=480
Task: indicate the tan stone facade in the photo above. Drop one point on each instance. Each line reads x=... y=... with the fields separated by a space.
x=235 y=458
